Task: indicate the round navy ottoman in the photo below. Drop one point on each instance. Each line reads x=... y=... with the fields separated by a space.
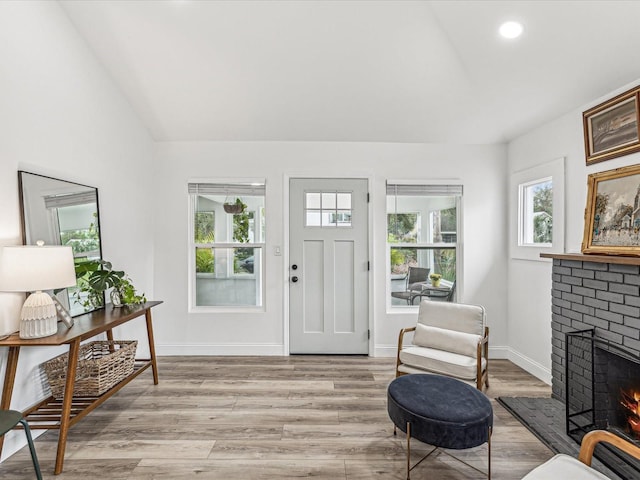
x=441 y=411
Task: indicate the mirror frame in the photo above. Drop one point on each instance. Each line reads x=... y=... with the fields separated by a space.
x=24 y=220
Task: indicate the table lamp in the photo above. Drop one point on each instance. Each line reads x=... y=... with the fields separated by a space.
x=35 y=268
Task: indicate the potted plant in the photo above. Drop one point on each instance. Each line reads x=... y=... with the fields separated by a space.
x=96 y=277
x=236 y=207
x=435 y=279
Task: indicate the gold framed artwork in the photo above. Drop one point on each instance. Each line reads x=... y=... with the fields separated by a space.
x=611 y=129
x=612 y=216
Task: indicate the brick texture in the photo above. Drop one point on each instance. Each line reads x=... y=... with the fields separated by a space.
x=593 y=295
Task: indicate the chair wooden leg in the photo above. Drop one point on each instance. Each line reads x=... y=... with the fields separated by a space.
x=32 y=449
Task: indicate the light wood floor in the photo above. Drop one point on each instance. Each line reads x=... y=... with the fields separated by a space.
x=272 y=418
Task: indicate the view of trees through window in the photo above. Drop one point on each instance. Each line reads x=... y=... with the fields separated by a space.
x=538 y=214
x=404 y=228
x=204 y=232
x=422 y=233
x=81 y=241
x=227 y=243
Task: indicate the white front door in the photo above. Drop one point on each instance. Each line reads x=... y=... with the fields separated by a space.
x=328 y=266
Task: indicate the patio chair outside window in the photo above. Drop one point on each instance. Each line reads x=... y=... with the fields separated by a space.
x=416 y=279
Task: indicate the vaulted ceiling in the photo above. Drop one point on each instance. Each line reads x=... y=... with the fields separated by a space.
x=375 y=71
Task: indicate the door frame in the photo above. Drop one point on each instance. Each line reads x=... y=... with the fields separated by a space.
x=285 y=253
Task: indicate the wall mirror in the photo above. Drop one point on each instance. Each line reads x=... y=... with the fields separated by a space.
x=61 y=213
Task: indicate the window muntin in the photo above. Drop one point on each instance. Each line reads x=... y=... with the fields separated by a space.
x=536 y=213
x=422 y=231
x=227 y=245
x=327 y=209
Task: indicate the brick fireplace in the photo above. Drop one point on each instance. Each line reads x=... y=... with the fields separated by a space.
x=593 y=292
x=596 y=326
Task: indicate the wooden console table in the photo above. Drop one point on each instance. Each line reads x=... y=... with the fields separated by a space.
x=55 y=414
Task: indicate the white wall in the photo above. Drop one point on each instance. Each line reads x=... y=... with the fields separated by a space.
x=60 y=115
x=481 y=170
x=529 y=309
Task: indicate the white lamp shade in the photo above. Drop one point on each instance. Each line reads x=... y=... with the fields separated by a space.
x=35 y=268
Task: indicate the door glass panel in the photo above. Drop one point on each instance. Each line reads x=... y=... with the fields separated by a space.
x=344 y=218
x=344 y=201
x=328 y=201
x=313 y=218
x=328 y=209
x=313 y=200
x=328 y=219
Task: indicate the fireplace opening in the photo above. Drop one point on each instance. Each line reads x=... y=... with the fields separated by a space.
x=617 y=386
x=630 y=401
x=603 y=392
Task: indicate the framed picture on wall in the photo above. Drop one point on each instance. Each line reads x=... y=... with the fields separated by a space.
x=611 y=128
x=612 y=216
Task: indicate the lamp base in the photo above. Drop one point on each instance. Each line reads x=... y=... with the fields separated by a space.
x=38 y=318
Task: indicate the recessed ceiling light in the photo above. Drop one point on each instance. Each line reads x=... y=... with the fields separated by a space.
x=511 y=29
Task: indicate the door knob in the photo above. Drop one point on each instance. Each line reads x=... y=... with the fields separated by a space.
x=294 y=279
x=294 y=267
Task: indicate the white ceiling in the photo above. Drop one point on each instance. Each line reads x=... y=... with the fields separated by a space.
x=375 y=71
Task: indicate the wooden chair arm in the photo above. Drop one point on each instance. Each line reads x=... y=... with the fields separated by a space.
x=594 y=437
x=482 y=350
x=400 y=341
x=401 y=336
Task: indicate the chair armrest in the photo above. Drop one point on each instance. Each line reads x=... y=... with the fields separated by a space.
x=400 y=342
x=483 y=350
x=592 y=438
x=401 y=336
x=483 y=344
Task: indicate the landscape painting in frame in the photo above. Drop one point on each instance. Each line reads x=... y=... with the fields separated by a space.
x=611 y=128
x=612 y=216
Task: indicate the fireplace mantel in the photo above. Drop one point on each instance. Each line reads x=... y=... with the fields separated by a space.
x=616 y=259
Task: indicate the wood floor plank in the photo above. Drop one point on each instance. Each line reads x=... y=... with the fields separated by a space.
x=272 y=418
x=239 y=470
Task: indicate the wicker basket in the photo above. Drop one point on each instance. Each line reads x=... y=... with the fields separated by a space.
x=101 y=365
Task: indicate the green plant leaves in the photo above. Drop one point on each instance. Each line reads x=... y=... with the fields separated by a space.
x=97 y=276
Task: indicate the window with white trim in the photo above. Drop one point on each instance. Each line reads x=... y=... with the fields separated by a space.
x=227 y=225
x=423 y=230
x=536 y=211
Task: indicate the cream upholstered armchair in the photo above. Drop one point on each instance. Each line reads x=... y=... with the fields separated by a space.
x=449 y=339
x=565 y=467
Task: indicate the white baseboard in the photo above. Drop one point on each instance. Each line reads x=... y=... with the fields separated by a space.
x=534 y=368
x=385 y=351
x=241 y=349
x=499 y=353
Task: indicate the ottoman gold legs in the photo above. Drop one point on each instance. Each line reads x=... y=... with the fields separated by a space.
x=409 y=467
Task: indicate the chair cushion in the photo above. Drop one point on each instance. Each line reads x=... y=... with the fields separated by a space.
x=564 y=467
x=438 y=361
x=452 y=316
x=447 y=340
